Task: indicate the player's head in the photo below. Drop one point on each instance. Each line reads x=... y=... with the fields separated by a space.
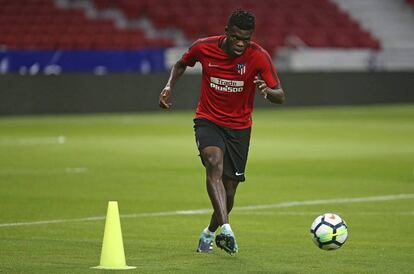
x=242 y=19
x=239 y=31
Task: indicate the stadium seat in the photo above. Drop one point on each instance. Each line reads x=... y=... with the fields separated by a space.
x=40 y=24
x=411 y=2
x=318 y=23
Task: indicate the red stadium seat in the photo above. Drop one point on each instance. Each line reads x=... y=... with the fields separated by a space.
x=40 y=24
x=411 y=2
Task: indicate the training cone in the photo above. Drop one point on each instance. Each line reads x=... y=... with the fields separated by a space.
x=112 y=255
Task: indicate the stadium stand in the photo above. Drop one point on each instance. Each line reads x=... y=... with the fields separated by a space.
x=26 y=24
x=299 y=34
x=131 y=9
x=42 y=25
x=315 y=22
x=391 y=22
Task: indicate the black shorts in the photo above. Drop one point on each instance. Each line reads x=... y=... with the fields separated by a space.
x=233 y=142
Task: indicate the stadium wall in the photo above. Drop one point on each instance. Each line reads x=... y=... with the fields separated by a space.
x=87 y=93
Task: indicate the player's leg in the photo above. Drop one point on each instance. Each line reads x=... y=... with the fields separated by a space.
x=213 y=160
x=226 y=239
x=211 y=146
x=235 y=159
x=234 y=163
x=231 y=186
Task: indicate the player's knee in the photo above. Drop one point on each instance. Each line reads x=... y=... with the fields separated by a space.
x=213 y=161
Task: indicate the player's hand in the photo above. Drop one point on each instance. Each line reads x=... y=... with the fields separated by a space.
x=164 y=96
x=261 y=86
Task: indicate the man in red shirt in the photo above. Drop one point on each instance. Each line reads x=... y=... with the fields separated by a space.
x=233 y=67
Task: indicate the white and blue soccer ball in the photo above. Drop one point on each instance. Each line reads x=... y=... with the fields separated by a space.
x=329 y=231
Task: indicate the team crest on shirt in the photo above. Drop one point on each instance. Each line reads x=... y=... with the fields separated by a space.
x=241 y=68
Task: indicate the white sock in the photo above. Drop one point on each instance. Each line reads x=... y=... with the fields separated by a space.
x=226 y=227
x=207 y=231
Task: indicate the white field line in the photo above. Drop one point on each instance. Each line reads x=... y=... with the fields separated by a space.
x=237 y=209
x=316 y=213
x=23 y=172
x=32 y=141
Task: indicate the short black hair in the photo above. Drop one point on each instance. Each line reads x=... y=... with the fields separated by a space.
x=242 y=19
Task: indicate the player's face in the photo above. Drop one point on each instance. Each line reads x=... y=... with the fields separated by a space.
x=238 y=40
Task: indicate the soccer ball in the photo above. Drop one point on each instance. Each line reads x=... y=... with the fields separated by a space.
x=329 y=231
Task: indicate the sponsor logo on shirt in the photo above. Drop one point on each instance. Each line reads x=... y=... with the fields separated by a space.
x=241 y=68
x=226 y=85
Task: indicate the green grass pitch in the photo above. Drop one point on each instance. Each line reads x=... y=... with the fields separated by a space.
x=69 y=167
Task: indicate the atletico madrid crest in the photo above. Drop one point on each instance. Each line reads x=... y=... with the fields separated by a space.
x=241 y=68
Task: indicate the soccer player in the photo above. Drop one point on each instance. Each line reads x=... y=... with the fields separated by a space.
x=233 y=67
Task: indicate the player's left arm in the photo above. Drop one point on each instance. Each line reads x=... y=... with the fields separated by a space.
x=268 y=84
x=275 y=95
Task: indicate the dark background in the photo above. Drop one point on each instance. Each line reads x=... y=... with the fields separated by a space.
x=86 y=93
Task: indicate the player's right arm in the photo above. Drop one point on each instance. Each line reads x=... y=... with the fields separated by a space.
x=177 y=70
x=188 y=59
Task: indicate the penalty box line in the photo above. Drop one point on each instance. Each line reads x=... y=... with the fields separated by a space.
x=237 y=209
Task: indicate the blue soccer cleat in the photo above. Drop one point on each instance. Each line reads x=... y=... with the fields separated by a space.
x=205 y=244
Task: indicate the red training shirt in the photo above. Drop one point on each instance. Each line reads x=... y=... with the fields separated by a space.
x=227 y=88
